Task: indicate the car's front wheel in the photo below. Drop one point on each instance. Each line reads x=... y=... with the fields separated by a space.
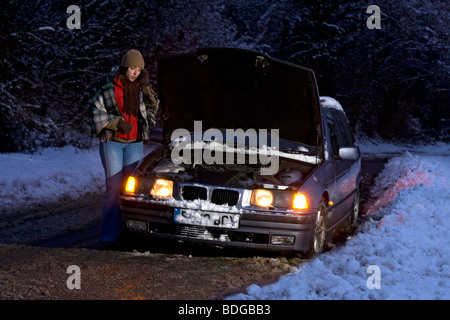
x=317 y=243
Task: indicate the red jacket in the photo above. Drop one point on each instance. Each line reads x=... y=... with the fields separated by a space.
x=118 y=93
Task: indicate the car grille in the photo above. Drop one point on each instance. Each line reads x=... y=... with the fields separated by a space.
x=218 y=196
x=199 y=232
x=222 y=196
x=194 y=193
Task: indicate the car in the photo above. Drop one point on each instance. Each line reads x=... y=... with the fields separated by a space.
x=248 y=155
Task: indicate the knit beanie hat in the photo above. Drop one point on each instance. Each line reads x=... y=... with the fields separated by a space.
x=133 y=58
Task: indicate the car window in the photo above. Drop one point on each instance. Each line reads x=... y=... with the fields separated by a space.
x=340 y=131
x=344 y=123
x=331 y=129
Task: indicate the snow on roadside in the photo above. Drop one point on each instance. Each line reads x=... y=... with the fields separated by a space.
x=49 y=175
x=52 y=174
x=399 y=252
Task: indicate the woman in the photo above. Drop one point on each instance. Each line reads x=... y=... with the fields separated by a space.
x=123 y=112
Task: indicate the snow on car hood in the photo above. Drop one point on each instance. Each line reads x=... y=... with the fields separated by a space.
x=234 y=88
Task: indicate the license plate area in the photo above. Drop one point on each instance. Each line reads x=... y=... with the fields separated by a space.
x=206 y=218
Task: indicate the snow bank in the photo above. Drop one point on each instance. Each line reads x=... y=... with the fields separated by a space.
x=405 y=237
x=52 y=174
x=49 y=175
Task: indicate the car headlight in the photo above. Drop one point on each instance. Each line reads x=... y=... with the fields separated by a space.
x=261 y=198
x=131 y=184
x=300 y=201
x=162 y=188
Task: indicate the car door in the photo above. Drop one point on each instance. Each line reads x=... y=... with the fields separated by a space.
x=345 y=172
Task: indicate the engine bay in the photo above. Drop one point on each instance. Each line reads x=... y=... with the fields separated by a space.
x=290 y=174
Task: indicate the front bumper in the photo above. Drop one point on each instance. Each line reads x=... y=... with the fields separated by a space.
x=261 y=230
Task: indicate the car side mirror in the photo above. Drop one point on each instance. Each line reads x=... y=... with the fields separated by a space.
x=349 y=153
x=156 y=135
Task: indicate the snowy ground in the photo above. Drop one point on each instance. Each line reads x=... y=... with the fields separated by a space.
x=51 y=174
x=399 y=252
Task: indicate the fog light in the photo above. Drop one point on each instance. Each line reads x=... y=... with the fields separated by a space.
x=282 y=240
x=137 y=224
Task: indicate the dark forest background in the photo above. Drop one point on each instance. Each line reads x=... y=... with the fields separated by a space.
x=393 y=82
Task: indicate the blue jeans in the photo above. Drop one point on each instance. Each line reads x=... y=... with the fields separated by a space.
x=119 y=160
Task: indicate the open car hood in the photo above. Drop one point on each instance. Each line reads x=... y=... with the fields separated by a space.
x=229 y=88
